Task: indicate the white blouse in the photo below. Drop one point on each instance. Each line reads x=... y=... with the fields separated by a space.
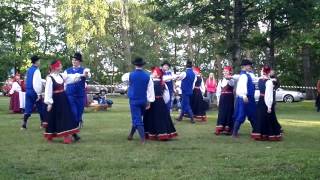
x=66 y=79
x=202 y=86
x=268 y=95
x=15 y=88
x=37 y=82
x=241 y=89
x=223 y=83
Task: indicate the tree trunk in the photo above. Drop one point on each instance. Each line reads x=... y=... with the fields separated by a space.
x=189 y=44
x=307 y=74
x=272 y=38
x=237 y=26
x=175 y=47
x=125 y=35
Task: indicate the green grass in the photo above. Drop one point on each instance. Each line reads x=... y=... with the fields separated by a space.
x=104 y=152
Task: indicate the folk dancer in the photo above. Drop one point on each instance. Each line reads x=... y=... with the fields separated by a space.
x=245 y=105
x=141 y=94
x=33 y=93
x=225 y=102
x=188 y=79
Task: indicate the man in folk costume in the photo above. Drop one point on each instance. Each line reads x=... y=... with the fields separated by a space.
x=245 y=101
x=76 y=91
x=141 y=94
x=188 y=79
x=168 y=78
x=198 y=105
x=33 y=92
x=225 y=102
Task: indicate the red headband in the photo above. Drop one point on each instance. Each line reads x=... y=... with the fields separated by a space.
x=56 y=65
x=266 y=69
x=197 y=70
x=228 y=68
x=157 y=70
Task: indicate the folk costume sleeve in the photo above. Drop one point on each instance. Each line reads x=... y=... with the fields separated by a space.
x=125 y=77
x=37 y=82
x=268 y=96
x=150 y=91
x=15 y=87
x=203 y=87
x=71 y=78
x=168 y=77
x=181 y=76
x=219 y=89
x=241 y=90
x=194 y=82
x=48 y=91
x=166 y=94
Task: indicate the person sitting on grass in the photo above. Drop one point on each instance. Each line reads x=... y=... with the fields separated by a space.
x=103 y=102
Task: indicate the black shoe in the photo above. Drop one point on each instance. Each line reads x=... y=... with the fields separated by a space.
x=24 y=126
x=192 y=121
x=76 y=137
x=130 y=138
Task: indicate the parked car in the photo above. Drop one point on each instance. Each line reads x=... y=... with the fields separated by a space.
x=286 y=96
x=95 y=88
x=121 y=88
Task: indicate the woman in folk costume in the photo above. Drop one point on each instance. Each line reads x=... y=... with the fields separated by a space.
x=157 y=120
x=198 y=105
x=16 y=96
x=61 y=121
x=225 y=102
x=266 y=126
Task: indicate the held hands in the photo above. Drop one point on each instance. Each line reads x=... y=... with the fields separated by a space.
x=245 y=99
x=49 y=107
x=269 y=110
x=86 y=73
x=38 y=98
x=148 y=106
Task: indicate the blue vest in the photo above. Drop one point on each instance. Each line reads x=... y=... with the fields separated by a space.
x=169 y=83
x=138 y=86
x=250 y=85
x=187 y=82
x=78 y=88
x=29 y=80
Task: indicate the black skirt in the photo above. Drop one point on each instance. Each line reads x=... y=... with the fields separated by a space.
x=198 y=105
x=318 y=101
x=226 y=109
x=157 y=122
x=61 y=121
x=267 y=126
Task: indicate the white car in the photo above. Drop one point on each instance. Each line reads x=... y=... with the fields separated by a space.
x=285 y=95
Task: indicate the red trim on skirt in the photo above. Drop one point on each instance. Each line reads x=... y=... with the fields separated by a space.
x=61 y=134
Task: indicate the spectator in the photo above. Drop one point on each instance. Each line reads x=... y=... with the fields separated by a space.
x=211 y=87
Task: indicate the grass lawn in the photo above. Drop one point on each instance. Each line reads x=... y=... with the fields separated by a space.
x=104 y=152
